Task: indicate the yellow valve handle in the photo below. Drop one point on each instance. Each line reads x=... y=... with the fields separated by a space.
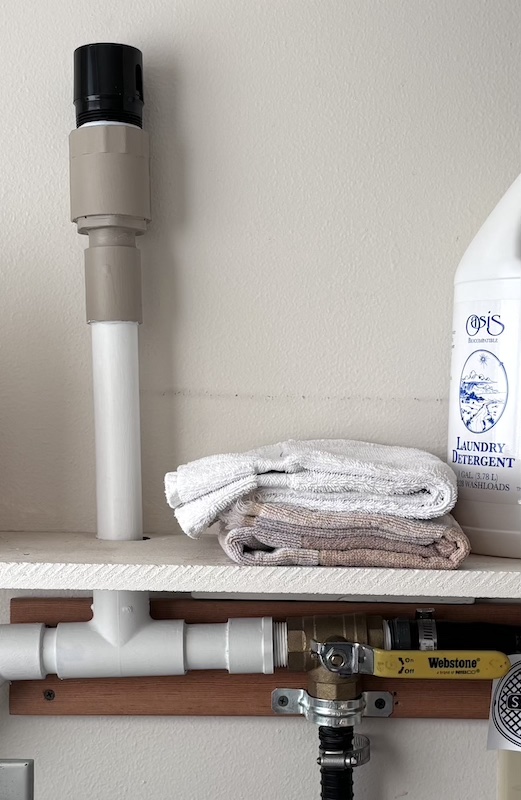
x=437 y=664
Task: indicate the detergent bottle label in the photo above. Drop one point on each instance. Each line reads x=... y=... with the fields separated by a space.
x=484 y=401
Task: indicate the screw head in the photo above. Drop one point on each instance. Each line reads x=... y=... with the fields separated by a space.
x=379 y=703
x=336 y=660
x=283 y=700
x=49 y=694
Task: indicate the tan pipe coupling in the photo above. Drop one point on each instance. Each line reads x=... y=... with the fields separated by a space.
x=110 y=201
x=109 y=172
x=113 y=284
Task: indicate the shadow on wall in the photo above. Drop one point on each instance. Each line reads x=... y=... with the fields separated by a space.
x=161 y=311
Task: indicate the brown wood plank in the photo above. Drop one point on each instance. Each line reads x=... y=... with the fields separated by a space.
x=52 y=610
x=220 y=694
x=435 y=699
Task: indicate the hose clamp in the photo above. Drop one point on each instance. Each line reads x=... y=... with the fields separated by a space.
x=358 y=755
x=427 y=633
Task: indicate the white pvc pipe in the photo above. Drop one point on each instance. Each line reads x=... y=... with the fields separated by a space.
x=115 y=368
x=123 y=641
x=21 y=651
x=118 y=616
x=239 y=646
x=156 y=649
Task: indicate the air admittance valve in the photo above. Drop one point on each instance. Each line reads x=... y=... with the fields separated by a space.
x=110 y=202
x=108 y=84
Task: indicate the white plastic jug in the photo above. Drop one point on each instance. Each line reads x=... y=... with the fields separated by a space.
x=484 y=446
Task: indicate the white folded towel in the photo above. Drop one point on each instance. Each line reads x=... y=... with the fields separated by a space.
x=321 y=475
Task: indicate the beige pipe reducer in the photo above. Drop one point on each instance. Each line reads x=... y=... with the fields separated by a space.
x=110 y=201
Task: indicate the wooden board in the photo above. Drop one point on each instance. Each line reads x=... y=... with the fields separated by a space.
x=220 y=694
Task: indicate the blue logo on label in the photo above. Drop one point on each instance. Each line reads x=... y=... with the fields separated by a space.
x=490 y=324
x=483 y=392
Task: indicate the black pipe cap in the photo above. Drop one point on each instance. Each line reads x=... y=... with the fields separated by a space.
x=108 y=84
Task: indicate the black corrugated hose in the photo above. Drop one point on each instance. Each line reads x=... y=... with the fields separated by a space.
x=336 y=784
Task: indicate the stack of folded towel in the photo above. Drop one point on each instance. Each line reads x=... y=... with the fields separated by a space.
x=324 y=502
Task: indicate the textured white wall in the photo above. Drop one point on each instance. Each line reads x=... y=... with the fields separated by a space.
x=317 y=170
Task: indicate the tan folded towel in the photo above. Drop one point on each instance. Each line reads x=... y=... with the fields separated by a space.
x=260 y=534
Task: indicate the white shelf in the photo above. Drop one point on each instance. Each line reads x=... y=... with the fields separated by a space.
x=78 y=561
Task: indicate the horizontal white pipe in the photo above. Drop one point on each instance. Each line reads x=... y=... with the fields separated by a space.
x=115 y=367
x=21 y=651
x=123 y=641
x=83 y=652
x=239 y=645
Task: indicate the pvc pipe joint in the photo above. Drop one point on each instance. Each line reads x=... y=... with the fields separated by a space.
x=122 y=640
x=21 y=652
x=239 y=646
